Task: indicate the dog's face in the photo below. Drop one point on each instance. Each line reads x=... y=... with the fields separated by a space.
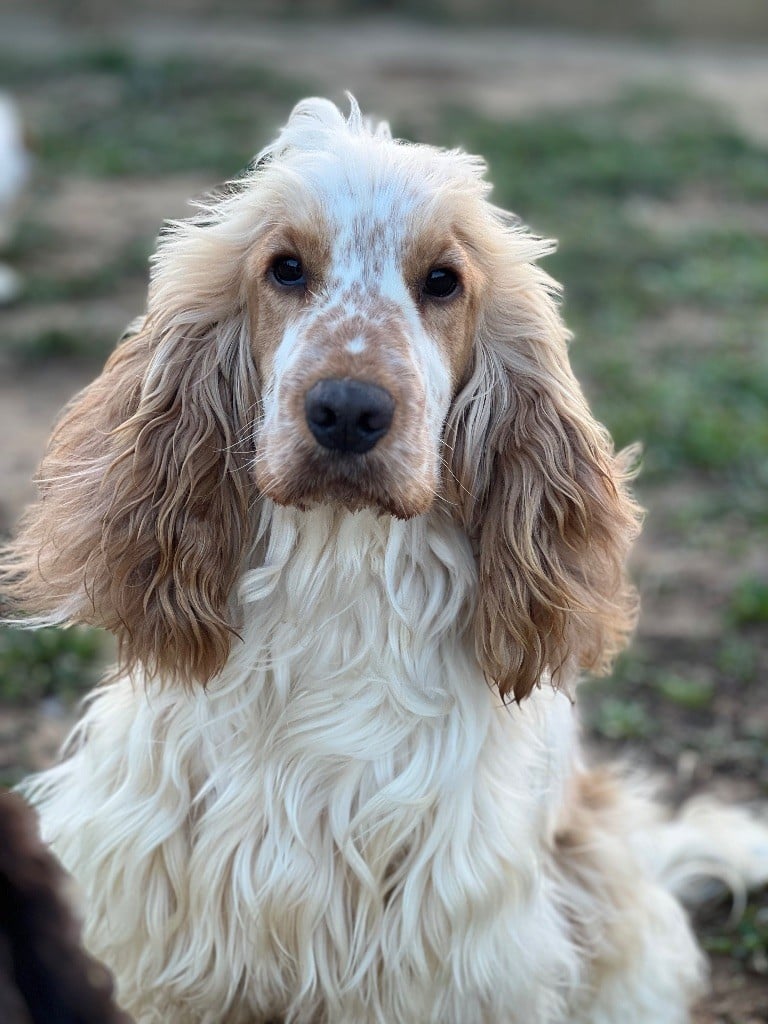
x=351 y=324
x=363 y=300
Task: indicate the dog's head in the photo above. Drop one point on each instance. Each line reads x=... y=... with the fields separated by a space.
x=364 y=291
x=350 y=323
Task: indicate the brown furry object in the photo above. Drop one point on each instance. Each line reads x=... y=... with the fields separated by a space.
x=46 y=977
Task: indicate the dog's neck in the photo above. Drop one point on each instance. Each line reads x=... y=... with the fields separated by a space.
x=342 y=601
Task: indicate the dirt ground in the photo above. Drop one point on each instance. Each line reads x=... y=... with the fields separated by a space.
x=400 y=71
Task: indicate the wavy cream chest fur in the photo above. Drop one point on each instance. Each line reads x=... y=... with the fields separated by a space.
x=339 y=796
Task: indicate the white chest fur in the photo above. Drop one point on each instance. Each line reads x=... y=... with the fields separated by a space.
x=312 y=834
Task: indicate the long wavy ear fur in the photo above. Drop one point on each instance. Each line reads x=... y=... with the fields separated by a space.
x=142 y=522
x=540 y=492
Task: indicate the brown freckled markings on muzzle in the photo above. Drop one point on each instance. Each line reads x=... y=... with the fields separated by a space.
x=384 y=359
x=352 y=428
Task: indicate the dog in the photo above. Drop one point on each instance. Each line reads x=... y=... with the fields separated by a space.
x=45 y=975
x=340 y=498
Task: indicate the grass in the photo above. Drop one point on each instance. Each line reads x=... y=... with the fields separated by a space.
x=55 y=345
x=644 y=689
x=109 y=112
x=47 y=663
x=745 y=941
x=127 y=265
x=749 y=602
x=650 y=143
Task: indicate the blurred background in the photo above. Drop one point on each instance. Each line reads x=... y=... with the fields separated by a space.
x=635 y=134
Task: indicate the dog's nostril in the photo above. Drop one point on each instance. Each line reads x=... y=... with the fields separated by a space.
x=370 y=422
x=325 y=416
x=348 y=415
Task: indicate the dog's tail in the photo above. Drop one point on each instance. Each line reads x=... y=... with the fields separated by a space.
x=709 y=849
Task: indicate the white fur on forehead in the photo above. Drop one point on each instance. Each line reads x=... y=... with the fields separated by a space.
x=313 y=120
x=317 y=128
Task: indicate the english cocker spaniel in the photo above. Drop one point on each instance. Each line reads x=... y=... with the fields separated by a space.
x=343 y=503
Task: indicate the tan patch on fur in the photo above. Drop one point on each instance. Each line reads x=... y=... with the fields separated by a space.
x=608 y=917
x=270 y=305
x=451 y=322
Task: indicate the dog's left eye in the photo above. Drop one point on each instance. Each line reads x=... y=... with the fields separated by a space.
x=440 y=282
x=288 y=270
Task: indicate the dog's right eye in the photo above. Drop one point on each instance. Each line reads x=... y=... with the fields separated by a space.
x=288 y=270
x=440 y=283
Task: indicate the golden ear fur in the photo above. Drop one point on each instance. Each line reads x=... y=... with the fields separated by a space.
x=142 y=522
x=542 y=495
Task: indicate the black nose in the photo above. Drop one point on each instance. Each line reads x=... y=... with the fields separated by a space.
x=348 y=415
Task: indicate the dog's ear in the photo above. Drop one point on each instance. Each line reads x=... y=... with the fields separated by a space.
x=541 y=495
x=143 y=518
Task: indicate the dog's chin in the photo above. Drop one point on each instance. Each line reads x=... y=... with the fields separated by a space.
x=352 y=503
x=347 y=483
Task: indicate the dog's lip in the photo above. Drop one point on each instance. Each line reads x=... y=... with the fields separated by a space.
x=335 y=494
x=309 y=503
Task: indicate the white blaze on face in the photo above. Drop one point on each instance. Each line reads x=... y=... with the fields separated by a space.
x=355 y=347
x=359 y=221
x=372 y=224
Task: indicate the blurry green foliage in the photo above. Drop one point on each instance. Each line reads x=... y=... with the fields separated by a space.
x=47 y=662
x=686 y=691
x=651 y=142
x=746 y=940
x=749 y=602
x=131 y=263
x=114 y=113
x=619 y=718
x=54 y=344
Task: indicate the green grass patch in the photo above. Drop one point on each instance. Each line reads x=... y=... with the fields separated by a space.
x=56 y=344
x=130 y=265
x=746 y=940
x=649 y=143
x=621 y=719
x=738 y=658
x=749 y=602
x=48 y=662
x=641 y=684
x=685 y=691
x=703 y=411
x=110 y=112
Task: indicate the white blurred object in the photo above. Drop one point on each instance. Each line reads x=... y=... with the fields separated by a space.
x=14 y=172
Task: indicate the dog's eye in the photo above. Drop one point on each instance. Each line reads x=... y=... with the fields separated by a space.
x=440 y=283
x=288 y=270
